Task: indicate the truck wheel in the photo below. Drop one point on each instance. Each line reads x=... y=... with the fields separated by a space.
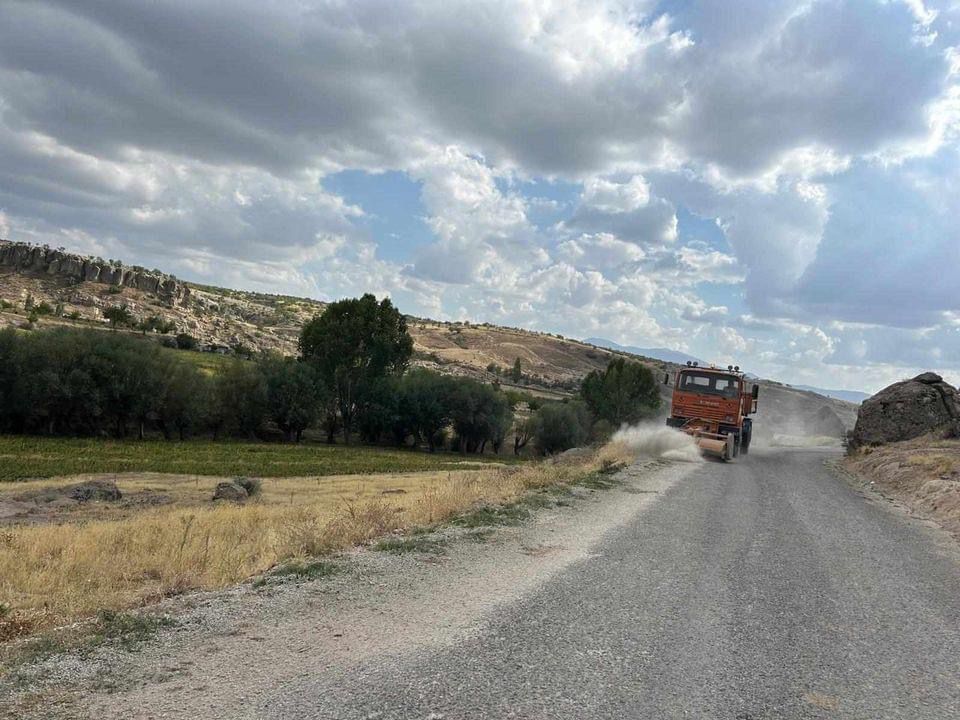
x=746 y=435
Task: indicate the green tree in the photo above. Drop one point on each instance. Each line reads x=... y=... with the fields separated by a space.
x=352 y=344
x=377 y=402
x=523 y=433
x=118 y=315
x=480 y=415
x=517 y=373
x=184 y=399
x=239 y=400
x=424 y=407
x=65 y=381
x=559 y=426
x=155 y=323
x=625 y=392
x=295 y=394
x=186 y=342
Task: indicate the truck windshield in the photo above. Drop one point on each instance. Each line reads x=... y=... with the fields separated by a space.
x=710 y=384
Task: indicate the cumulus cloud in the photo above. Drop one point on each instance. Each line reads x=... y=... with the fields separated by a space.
x=898 y=227
x=624 y=209
x=603 y=252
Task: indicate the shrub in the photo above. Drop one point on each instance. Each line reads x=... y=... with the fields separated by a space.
x=118 y=315
x=186 y=342
x=952 y=431
x=241 y=350
x=253 y=486
x=625 y=392
x=560 y=426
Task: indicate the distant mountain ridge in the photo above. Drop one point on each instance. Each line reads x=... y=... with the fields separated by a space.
x=665 y=354
x=853 y=396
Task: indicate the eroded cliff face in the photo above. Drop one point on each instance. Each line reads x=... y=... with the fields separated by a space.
x=44 y=260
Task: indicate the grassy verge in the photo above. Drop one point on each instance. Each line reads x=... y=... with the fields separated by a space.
x=39 y=457
x=124 y=630
x=54 y=574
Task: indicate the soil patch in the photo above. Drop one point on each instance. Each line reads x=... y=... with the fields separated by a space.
x=923 y=474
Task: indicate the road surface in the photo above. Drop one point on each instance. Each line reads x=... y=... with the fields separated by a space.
x=763 y=588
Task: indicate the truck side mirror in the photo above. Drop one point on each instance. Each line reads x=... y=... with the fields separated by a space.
x=666 y=378
x=755 y=392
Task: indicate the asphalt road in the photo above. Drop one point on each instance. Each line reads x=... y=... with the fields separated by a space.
x=766 y=588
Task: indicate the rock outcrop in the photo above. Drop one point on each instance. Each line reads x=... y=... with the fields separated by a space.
x=906 y=410
x=39 y=259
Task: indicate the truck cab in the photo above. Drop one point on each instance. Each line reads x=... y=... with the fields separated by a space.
x=714 y=405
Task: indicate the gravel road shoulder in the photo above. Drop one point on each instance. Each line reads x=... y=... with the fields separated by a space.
x=230 y=647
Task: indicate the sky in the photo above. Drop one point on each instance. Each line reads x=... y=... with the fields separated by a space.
x=770 y=184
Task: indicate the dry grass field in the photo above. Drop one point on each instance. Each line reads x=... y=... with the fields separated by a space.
x=104 y=558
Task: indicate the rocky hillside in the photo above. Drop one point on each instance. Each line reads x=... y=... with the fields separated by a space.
x=22 y=258
x=41 y=286
x=80 y=288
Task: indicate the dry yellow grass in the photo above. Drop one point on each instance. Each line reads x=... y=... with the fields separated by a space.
x=54 y=573
x=934 y=463
x=195 y=491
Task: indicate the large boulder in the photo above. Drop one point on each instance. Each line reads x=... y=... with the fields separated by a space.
x=906 y=410
x=231 y=492
x=94 y=490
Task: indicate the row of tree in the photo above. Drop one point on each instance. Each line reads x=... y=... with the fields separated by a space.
x=87 y=382
x=351 y=378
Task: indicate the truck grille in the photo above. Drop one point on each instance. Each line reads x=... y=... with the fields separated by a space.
x=697 y=410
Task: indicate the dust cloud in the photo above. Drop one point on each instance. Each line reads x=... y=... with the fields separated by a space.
x=659 y=442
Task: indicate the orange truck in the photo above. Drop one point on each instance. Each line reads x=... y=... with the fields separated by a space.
x=712 y=405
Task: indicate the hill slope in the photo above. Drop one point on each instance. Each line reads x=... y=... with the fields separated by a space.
x=75 y=290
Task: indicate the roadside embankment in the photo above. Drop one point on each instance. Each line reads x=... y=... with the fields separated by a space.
x=923 y=474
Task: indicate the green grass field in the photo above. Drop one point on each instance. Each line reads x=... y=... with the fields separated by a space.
x=208 y=363
x=40 y=457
